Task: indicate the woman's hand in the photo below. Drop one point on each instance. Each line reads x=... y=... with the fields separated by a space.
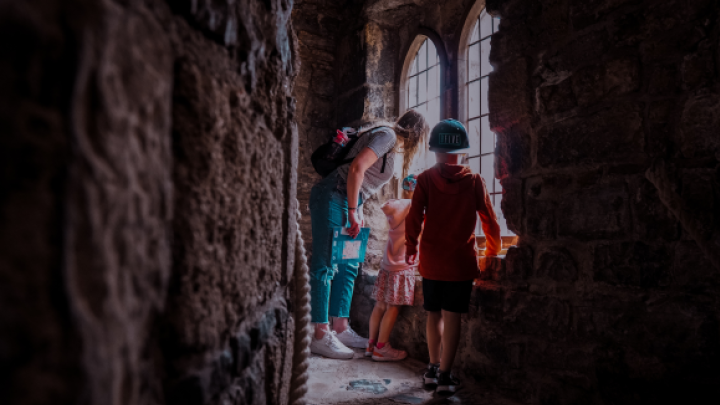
x=355 y=223
x=356 y=174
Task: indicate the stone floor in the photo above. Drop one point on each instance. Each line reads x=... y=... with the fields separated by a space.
x=361 y=381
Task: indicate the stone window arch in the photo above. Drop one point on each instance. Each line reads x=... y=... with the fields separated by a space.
x=473 y=71
x=421 y=88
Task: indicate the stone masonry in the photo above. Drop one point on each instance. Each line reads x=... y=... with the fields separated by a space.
x=331 y=89
x=608 y=296
x=608 y=119
x=152 y=151
x=147 y=204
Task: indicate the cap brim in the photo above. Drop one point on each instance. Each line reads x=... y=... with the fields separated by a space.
x=450 y=151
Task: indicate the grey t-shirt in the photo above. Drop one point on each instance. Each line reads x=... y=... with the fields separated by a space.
x=381 y=141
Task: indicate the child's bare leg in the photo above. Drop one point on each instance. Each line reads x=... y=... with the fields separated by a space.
x=388 y=321
x=450 y=339
x=375 y=318
x=434 y=335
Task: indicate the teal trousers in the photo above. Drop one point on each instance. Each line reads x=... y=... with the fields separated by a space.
x=331 y=285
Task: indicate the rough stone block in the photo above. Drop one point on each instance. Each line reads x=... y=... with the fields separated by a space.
x=512 y=203
x=609 y=135
x=491 y=345
x=691 y=267
x=510 y=44
x=321 y=112
x=352 y=75
x=509 y=95
x=555 y=98
x=674 y=41
x=587 y=84
x=700 y=125
x=582 y=50
x=586 y=13
x=513 y=150
x=552 y=25
x=556 y=264
x=351 y=107
x=600 y=212
x=660 y=123
x=593 y=322
x=632 y=264
x=323 y=83
x=698 y=68
x=315 y=40
x=380 y=51
x=662 y=80
x=622 y=76
x=519 y=262
x=536 y=315
x=614 y=77
x=541 y=218
x=651 y=219
x=699 y=197
x=490 y=301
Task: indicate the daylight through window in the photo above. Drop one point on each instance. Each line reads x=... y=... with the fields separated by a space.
x=481 y=157
x=423 y=93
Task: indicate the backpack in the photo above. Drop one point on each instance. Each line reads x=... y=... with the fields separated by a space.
x=324 y=165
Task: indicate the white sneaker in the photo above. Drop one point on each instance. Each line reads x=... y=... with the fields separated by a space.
x=350 y=338
x=330 y=346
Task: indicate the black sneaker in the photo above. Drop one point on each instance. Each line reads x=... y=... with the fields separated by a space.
x=430 y=376
x=446 y=382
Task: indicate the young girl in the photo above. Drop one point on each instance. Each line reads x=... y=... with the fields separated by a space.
x=395 y=284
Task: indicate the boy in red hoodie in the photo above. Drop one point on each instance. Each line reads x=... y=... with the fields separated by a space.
x=447 y=198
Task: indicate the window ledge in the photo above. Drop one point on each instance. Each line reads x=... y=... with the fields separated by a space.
x=491 y=268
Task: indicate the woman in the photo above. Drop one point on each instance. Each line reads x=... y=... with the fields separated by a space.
x=336 y=201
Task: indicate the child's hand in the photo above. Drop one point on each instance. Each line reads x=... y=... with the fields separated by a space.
x=411 y=259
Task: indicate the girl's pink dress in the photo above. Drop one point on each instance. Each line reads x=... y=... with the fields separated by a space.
x=395 y=284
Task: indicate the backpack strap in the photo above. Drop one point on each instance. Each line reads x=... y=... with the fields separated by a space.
x=371 y=130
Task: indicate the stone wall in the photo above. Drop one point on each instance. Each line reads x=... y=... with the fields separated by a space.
x=332 y=91
x=608 y=118
x=317 y=25
x=607 y=113
x=148 y=164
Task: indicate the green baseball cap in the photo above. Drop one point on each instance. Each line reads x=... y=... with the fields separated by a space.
x=449 y=136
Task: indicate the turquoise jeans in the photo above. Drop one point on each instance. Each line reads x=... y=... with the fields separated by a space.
x=331 y=285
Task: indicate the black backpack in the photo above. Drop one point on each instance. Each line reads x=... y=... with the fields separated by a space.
x=324 y=165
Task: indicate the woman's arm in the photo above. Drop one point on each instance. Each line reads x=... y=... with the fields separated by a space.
x=355 y=177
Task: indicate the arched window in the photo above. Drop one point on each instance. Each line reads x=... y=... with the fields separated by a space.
x=473 y=75
x=421 y=87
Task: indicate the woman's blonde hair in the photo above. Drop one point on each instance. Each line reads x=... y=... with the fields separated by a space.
x=412 y=128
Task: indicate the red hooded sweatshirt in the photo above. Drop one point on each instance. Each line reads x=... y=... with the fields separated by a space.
x=447 y=197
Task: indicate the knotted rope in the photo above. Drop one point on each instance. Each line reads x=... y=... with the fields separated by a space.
x=301 y=349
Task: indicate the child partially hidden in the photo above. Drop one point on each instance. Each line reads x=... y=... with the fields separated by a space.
x=395 y=284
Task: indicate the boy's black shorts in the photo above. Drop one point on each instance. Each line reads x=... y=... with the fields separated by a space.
x=452 y=296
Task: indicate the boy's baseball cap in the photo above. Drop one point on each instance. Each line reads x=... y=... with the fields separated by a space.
x=449 y=136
